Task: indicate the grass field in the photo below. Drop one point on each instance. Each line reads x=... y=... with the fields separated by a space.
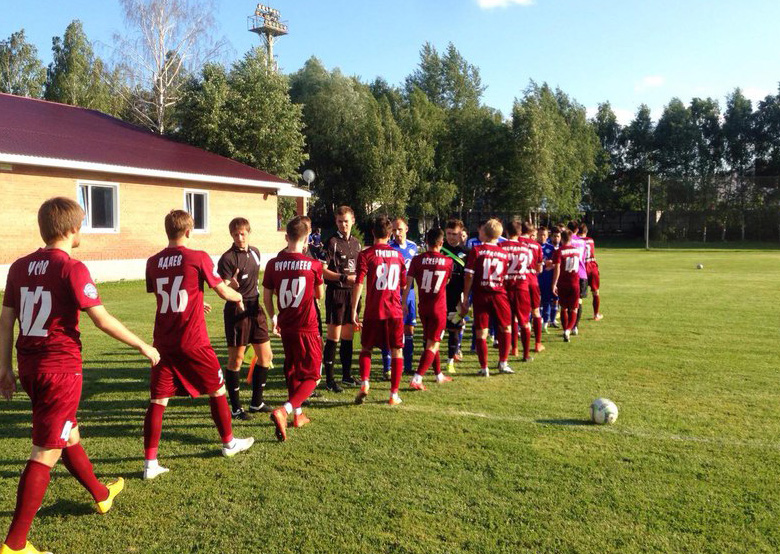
x=505 y=464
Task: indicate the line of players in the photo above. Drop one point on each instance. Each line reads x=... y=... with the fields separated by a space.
x=47 y=289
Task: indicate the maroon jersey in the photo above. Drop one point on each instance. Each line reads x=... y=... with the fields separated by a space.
x=47 y=289
x=176 y=276
x=488 y=263
x=293 y=277
x=537 y=257
x=384 y=270
x=519 y=258
x=432 y=271
x=590 y=250
x=569 y=259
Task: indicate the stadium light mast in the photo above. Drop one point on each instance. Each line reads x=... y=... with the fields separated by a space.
x=267 y=24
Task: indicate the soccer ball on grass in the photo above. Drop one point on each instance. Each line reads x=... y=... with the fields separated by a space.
x=603 y=411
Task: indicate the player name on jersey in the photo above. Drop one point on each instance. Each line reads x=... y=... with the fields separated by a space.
x=387 y=253
x=38 y=268
x=292 y=265
x=433 y=261
x=169 y=261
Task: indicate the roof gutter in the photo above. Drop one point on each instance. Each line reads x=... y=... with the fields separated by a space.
x=282 y=189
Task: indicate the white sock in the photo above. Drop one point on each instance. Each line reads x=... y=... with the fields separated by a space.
x=366 y=384
x=230 y=444
x=288 y=408
x=450 y=361
x=417 y=378
x=440 y=378
x=150 y=464
x=298 y=411
x=395 y=396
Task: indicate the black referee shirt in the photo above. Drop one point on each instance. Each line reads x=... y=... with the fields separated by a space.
x=248 y=264
x=342 y=256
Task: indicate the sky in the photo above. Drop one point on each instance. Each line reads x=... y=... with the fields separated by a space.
x=627 y=52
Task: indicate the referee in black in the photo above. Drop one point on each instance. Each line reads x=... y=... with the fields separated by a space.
x=239 y=268
x=341 y=252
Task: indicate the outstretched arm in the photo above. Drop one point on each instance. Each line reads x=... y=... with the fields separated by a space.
x=115 y=329
x=228 y=294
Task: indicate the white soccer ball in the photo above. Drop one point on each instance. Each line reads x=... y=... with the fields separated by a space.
x=603 y=411
x=700 y=266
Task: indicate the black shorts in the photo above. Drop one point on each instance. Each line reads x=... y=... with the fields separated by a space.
x=583 y=288
x=338 y=306
x=247 y=327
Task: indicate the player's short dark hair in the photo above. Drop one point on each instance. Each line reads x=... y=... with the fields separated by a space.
x=59 y=216
x=583 y=227
x=555 y=230
x=434 y=236
x=541 y=228
x=513 y=228
x=401 y=218
x=573 y=226
x=528 y=227
x=298 y=227
x=454 y=224
x=177 y=222
x=344 y=210
x=382 y=227
x=238 y=223
x=565 y=236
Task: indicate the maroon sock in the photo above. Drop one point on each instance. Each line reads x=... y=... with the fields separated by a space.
x=303 y=391
x=538 y=329
x=292 y=387
x=596 y=304
x=482 y=353
x=514 y=334
x=29 y=496
x=364 y=362
x=396 y=371
x=437 y=364
x=78 y=464
x=572 y=317
x=504 y=341
x=425 y=362
x=564 y=319
x=525 y=336
x=220 y=413
x=152 y=430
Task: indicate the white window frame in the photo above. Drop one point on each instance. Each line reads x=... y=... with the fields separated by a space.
x=87 y=226
x=205 y=193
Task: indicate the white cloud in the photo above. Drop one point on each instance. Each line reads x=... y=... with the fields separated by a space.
x=649 y=81
x=624 y=116
x=490 y=4
x=756 y=94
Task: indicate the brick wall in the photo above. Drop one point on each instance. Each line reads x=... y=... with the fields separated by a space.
x=143 y=204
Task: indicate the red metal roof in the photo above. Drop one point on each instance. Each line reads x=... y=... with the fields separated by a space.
x=39 y=128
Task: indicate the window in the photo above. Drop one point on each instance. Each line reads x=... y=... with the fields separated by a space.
x=196 y=203
x=100 y=202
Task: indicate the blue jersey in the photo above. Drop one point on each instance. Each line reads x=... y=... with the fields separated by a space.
x=408 y=251
x=474 y=241
x=545 y=277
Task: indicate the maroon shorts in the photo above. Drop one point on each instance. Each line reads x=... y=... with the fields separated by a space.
x=491 y=305
x=569 y=295
x=302 y=355
x=519 y=304
x=594 y=280
x=55 y=400
x=382 y=333
x=433 y=326
x=535 y=293
x=186 y=372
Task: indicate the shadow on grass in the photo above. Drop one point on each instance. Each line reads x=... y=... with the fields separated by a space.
x=565 y=422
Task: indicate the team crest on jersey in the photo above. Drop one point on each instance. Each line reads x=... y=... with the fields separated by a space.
x=90 y=291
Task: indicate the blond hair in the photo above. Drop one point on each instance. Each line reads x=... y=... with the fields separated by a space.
x=177 y=222
x=492 y=229
x=59 y=216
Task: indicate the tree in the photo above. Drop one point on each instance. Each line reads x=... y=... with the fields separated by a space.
x=21 y=72
x=170 y=39
x=605 y=185
x=246 y=115
x=739 y=136
x=76 y=76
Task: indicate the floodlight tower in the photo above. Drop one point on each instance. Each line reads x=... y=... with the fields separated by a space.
x=266 y=23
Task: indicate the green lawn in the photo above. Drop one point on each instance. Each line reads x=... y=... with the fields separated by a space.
x=505 y=464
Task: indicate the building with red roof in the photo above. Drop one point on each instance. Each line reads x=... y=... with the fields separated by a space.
x=126 y=179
